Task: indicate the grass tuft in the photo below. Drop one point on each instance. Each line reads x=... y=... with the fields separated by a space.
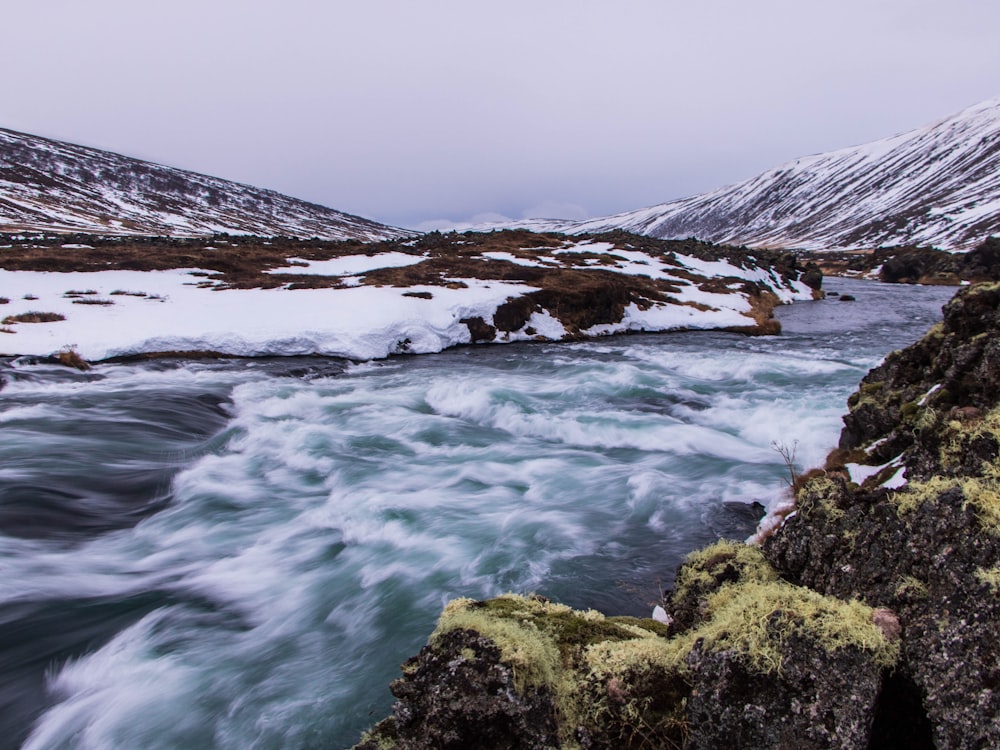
x=33 y=317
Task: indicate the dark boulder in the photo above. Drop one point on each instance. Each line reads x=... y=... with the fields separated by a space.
x=459 y=694
x=812 y=276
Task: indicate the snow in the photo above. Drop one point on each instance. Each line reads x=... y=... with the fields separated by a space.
x=349 y=265
x=363 y=322
x=859 y=472
x=661 y=317
x=545 y=326
x=936 y=185
x=588 y=247
x=196 y=205
x=934 y=389
x=511 y=258
x=897 y=480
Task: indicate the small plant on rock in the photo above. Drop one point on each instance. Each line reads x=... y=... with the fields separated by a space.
x=787 y=453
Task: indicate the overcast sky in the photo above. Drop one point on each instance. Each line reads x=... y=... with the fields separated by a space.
x=410 y=111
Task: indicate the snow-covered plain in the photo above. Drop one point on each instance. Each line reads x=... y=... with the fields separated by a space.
x=118 y=313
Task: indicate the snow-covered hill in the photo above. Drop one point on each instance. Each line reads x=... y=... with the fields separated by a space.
x=938 y=185
x=48 y=185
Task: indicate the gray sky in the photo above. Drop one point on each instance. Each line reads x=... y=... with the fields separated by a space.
x=409 y=112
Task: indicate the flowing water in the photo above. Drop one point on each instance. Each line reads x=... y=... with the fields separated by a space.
x=239 y=554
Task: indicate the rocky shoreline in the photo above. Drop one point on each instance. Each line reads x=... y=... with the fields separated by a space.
x=871 y=618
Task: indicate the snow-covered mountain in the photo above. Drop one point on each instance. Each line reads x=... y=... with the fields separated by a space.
x=937 y=185
x=48 y=185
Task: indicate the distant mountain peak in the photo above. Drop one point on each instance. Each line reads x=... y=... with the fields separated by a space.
x=49 y=185
x=936 y=185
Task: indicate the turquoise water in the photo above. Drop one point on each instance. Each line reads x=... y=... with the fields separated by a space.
x=241 y=554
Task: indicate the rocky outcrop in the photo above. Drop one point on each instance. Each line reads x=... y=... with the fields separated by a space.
x=921 y=536
x=524 y=672
x=871 y=619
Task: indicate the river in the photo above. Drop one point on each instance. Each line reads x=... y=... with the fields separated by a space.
x=240 y=553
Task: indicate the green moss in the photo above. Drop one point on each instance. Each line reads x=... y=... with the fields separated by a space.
x=915 y=494
x=542 y=641
x=703 y=568
x=623 y=673
x=927 y=419
x=642 y=623
x=755 y=618
x=382 y=735
x=537 y=638
x=982 y=494
x=959 y=434
x=911 y=587
x=936 y=331
x=615 y=658
x=984 y=497
x=530 y=652
x=819 y=494
x=867 y=393
x=547 y=646
x=990 y=576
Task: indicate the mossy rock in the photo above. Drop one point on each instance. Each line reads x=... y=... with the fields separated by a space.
x=552 y=676
x=704 y=571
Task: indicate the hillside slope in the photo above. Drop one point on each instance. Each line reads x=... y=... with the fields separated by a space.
x=48 y=185
x=937 y=185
